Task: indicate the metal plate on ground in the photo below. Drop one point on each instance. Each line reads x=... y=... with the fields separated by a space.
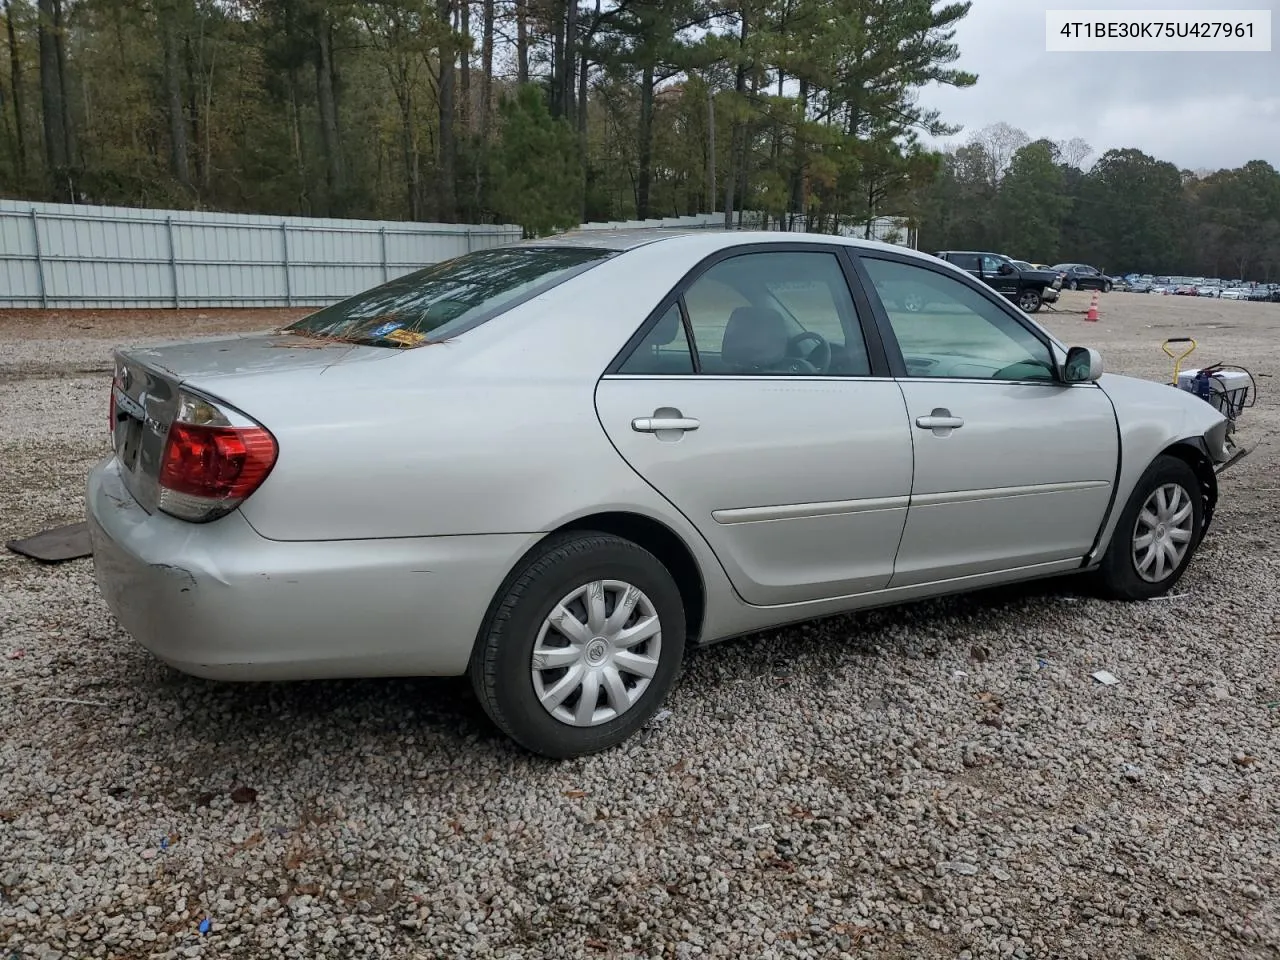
x=58 y=544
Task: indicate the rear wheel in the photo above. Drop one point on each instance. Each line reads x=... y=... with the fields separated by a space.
x=1029 y=300
x=1106 y=288
x=1073 y=285
x=1157 y=534
x=581 y=646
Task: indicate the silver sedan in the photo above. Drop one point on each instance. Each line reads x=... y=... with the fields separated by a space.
x=554 y=466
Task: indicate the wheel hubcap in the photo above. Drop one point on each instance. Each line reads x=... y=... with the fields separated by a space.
x=596 y=653
x=1162 y=533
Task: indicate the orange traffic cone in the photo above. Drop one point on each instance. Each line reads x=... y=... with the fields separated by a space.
x=1092 y=315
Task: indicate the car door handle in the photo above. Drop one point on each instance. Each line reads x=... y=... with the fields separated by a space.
x=940 y=421
x=658 y=424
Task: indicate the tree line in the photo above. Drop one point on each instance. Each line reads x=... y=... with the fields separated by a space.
x=1043 y=201
x=549 y=112
x=538 y=112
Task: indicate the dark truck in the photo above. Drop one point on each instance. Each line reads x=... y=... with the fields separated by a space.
x=1027 y=287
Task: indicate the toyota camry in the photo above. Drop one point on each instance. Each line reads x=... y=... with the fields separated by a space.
x=555 y=466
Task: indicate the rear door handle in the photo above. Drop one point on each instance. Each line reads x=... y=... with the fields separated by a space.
x=940 y=421
x=659 y=424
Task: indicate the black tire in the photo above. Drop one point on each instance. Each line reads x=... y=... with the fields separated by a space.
x=1118 y=578
x=1073 y=285
x=1106 y=288
x=1030 y=300
x=501 y=663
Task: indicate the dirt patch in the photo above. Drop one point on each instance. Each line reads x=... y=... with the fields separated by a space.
x=128 y=323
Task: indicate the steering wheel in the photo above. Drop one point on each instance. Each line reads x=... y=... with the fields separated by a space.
x=818 y=360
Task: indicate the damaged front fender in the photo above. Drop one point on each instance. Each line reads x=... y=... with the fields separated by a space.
x=1220 y=447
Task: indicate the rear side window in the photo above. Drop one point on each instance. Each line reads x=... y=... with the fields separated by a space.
x=447 y=298
x=787 y=313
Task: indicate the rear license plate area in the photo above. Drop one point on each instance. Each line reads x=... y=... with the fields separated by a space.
x=127 y=436
x=128 y=441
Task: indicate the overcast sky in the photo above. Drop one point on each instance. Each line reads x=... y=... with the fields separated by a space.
x=1193 y=109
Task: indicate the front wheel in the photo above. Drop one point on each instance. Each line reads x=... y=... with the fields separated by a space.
x=1157 y=534
x=581 y=645
x=1029 y=300
x=1073 y=285
x=1106 y=288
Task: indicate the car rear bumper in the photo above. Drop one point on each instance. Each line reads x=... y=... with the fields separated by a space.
x=219 y=601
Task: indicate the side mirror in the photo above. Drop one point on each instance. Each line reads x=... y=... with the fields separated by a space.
x=1084 y=365
x=1005 y=269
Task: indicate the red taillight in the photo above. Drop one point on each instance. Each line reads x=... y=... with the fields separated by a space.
x=214 y=456
x=216 y=463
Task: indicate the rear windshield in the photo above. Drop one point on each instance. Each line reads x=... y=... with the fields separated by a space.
x=445 y=299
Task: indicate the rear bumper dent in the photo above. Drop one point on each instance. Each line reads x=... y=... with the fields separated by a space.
x=219 y=601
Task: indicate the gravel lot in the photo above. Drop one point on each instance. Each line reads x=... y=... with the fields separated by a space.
x=941 y=780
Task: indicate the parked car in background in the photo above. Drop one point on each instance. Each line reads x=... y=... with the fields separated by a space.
x=1081 y=276
x=1235 y=293
x=1048 y=294
x=1260 y=292
x=1208 y=290
x=556 y=465
x=1026 y=288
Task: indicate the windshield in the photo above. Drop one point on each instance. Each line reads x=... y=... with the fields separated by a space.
x=447 y=298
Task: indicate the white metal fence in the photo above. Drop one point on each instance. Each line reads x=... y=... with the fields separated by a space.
x=65 y=255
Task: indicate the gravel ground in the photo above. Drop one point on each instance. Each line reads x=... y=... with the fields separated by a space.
x=940 y=780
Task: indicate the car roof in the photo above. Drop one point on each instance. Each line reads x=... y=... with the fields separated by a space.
x=606 y=239
x=708 y=238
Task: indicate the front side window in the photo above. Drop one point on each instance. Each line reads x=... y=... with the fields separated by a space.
x=991 y=265
x=947 y=329
x=446 y=298
x=778 y=314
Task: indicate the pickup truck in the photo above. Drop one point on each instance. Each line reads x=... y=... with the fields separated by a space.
x=1027 y=288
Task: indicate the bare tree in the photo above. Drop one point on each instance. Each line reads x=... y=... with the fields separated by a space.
x=52 y=95
x=1074 y=152
x=167 y=13
x=447 y=209
x=1001 y=142
x=15 y=83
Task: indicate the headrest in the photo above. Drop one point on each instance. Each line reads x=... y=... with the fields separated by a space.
x=754 y=336
x=666 y=329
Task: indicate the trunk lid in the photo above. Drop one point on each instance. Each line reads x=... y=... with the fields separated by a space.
x=148 y=380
